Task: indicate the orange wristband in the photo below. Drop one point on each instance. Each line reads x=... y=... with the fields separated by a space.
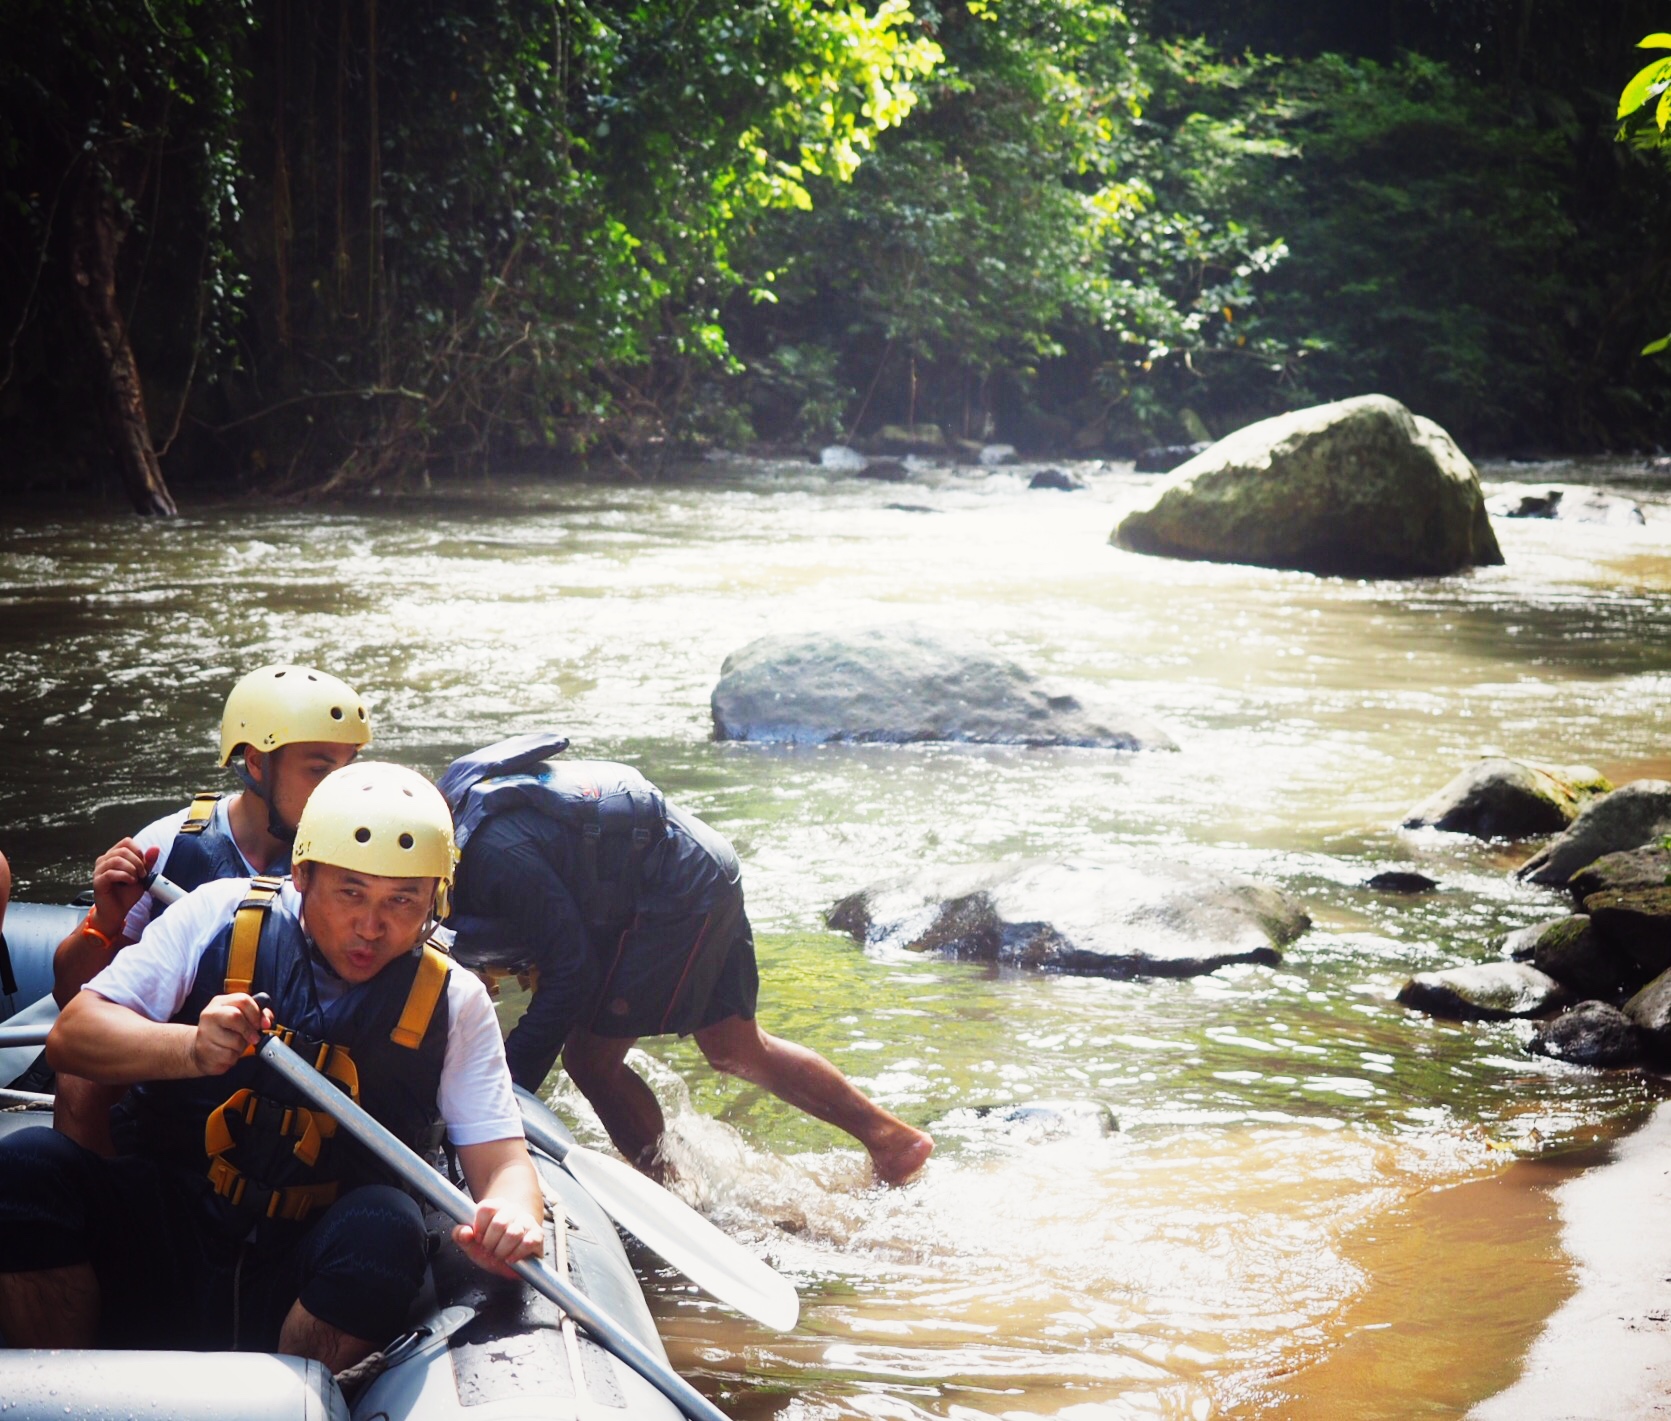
x=88 y=928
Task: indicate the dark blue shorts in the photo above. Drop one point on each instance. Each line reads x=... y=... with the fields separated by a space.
x=169 y=1278
x=674 y=973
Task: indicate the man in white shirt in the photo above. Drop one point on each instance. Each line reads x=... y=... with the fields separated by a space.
x=289 y=726
x=240 y=1218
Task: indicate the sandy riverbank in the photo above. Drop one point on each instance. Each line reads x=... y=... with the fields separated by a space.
x=1606 y=1352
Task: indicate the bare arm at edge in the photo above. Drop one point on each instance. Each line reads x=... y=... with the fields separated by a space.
x=510 y=1210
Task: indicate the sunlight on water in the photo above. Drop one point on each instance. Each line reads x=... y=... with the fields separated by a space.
x=1284 y=1135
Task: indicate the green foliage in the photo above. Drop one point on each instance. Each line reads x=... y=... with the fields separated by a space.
x=547 y=237
x=1651 y=82
x=137 y=102
x=966 y=244
x=367 y=241
x=1414 y=274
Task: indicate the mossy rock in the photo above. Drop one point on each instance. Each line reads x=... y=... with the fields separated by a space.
x=1636 y=921
x=1500 y=798
x=1646 y=867
x=1492 y=991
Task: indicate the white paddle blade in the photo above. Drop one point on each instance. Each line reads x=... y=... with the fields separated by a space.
x=710 y=1259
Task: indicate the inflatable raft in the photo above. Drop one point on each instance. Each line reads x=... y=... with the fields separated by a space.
x=476 y=1346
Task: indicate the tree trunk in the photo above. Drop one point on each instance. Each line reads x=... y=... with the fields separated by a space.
x=96 y=234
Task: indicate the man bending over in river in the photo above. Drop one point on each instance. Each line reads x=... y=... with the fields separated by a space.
x=237 y=1221
x=290 y=726
x=630 y=912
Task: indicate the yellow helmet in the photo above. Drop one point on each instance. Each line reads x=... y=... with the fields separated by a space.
x=277 y=705
x=379 y=819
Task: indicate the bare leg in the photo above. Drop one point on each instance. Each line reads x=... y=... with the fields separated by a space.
x=626 y=1105
x=810 y=1083
x=50 y=1307
x=81 y=1110
x=304 y=1335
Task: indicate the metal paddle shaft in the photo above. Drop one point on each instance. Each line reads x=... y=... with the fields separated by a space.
x=34 y=1034
x=715 y=1263
x=453 y=1202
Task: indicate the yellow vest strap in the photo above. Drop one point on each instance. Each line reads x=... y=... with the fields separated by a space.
x=427 y=986
x=199 y=813
x=246 y=933
x=295 y=1202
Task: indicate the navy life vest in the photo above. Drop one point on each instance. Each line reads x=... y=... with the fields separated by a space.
x=202 y=851
x=270 y=1157
x=618 y=814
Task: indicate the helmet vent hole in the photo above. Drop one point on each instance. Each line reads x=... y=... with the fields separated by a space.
x=336 y=712
x=362 y=836
x=406 y=841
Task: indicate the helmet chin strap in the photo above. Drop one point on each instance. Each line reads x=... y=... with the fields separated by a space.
x=284 y=833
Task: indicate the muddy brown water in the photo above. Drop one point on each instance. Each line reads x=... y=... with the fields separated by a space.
x=1315 y=1204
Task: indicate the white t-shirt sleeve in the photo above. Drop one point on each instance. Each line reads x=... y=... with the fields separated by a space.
x=158 y=834
x=154 y=976
x=476 y=1098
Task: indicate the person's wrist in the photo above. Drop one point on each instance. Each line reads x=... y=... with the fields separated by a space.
x=94 y=928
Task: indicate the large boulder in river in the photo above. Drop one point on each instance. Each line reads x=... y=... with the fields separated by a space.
x=1097 y=919
x=1499 y=798
x=1629 y=817
x=900 y=684
x=1361 y=488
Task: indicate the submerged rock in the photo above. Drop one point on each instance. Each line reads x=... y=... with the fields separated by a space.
x=1628 y=818
x=1051 y=1119
x=1499 y=798
x=1056 y=479
x=1099 y=919
x=1589 y=1034
x=1361 y=488
x=887 y=471
x=1164 y=458
x=900 y=684
x=1577 y=505
x=841 y=459
x=1402 y=880
x=1491 y=991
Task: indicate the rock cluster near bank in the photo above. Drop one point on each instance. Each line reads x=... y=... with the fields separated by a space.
x=1605 y=964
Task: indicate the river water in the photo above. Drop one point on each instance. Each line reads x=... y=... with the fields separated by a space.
x=1315 y=1203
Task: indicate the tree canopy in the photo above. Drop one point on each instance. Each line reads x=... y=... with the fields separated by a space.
x=287 y=246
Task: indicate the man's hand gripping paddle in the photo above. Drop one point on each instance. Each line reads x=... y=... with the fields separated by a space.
x=441 y=1194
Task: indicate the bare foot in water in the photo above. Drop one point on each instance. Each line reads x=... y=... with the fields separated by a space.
x=899 y=1156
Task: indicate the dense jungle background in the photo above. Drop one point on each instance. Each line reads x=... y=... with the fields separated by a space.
x=290 y=247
